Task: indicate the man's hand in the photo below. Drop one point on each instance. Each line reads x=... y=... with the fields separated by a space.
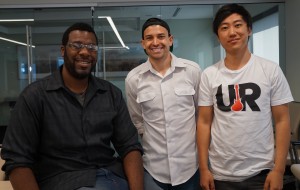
x=274 y=181
x=206 y=180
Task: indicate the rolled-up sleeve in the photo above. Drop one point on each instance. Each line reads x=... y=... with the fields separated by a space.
x=22 y=135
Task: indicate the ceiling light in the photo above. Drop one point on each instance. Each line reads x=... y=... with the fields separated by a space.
x=111 y=22
x=16 y=20
x=176 y=11
x=13 y=41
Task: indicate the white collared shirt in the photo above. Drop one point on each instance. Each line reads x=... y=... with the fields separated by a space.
x=163 y=108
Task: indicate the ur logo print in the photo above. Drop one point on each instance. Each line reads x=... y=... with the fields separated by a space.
x=238 y=97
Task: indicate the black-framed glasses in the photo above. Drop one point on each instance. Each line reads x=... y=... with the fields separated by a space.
x=79 y=46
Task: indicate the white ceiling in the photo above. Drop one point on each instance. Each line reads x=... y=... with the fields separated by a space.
x=51 y=22
x=101 y=3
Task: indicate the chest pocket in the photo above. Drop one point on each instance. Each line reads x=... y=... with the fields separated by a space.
x=184 y=91
x=145 y=97
x=147 y=101
x=184 y=95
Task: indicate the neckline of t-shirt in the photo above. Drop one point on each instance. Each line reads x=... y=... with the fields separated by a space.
x=241 y=69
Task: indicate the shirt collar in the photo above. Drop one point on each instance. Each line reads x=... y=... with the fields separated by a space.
x=174 y=63
x=56 y=82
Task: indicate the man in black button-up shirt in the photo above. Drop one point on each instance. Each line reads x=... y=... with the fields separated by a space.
x=62 y=127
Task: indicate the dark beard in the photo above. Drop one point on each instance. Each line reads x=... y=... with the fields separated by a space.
x=71 y=68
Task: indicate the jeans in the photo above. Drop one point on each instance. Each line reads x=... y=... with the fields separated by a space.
x=106 y=180
x=254 y=183
x=151 y=184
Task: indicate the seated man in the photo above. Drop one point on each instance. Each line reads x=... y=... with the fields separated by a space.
x=62 y=127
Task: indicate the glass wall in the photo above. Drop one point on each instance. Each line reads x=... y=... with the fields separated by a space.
x=190 y=25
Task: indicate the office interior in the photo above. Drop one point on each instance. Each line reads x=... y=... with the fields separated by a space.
x=30 y=48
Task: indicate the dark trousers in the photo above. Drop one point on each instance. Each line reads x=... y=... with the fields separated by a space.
x=254 y=183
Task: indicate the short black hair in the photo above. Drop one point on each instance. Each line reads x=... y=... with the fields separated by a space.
x=156 y=21
x=227 y=10
x=81 y=26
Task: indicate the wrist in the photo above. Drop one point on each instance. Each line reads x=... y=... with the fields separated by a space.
x=280 y=171
x=204 y=169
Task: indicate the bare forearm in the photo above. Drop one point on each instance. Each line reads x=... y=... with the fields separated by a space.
x=203 y=135
x=134 y=171
x=203 y=138
x=282 y=136
x=23 y=179
x=282 y=141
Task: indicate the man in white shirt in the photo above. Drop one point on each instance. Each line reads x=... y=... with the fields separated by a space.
x=162 y=96
x=239 y=97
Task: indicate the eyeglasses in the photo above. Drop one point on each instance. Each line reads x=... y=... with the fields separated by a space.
x=79 y=46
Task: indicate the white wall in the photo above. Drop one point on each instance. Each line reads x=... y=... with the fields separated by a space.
x=293 y=46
